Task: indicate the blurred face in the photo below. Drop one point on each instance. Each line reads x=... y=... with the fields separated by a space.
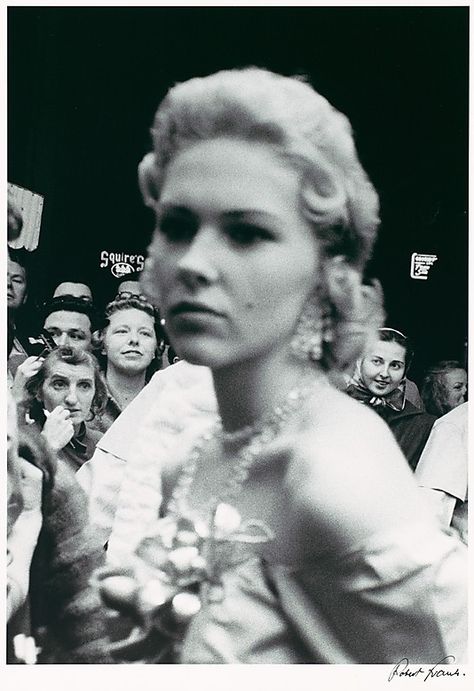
x=132 y=287
x=16 y=285
x=383 y=367
x=76 y=290
x=69 y=329
x=235 y=259
x=71 y=386
x=130 y=341
x=456 y=385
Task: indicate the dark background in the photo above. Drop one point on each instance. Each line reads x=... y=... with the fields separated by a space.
x=84 y=83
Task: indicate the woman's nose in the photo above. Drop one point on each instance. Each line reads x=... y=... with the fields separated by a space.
x=71 y=396
x=196 y=266
x=62 y=340
x=133 y=337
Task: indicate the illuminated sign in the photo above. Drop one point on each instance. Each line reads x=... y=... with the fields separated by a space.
x=421 y=264
x=31 y=206
x=121 y=263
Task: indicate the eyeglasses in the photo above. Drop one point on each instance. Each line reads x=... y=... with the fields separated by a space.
x=126 y=295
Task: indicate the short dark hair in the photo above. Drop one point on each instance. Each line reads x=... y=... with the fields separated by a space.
x=68 y=303
x=20 y=256
x=71 y=356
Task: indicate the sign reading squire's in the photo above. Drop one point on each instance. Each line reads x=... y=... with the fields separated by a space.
x=121 y=263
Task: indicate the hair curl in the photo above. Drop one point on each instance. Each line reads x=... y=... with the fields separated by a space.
x=70 y=356
x=434 y=391
x=301 y=126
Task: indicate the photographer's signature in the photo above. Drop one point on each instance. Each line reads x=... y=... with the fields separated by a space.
x=404 y=669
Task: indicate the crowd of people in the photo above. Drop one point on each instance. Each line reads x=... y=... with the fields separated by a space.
x=230 y=463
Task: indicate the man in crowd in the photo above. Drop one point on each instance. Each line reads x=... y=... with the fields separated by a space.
x=73 y=289
x=17 y=285
x=70 y=321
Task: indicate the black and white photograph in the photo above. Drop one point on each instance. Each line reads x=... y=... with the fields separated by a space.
x=237 y=345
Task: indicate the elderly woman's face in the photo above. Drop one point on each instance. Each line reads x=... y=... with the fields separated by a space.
x=235 y=259
x=70 y=386
x=455 y=382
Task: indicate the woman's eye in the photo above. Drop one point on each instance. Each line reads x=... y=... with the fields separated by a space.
x=146 y=333
x=120 y=331
x=247 y=233
x=178 y=229
x=85 y=386
x=58 y=385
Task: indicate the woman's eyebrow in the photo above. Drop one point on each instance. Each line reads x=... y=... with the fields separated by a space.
x=239 y=214
x=176 y=209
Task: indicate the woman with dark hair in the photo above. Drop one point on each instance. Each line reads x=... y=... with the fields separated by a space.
x=380 y=380
x=291 y=529
x=129 y=341
x=444 y=387
x=63 y=396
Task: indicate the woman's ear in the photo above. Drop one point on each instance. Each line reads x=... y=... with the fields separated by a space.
x=147 y=180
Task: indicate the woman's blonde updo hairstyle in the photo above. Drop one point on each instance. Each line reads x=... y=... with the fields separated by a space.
x=286 y=113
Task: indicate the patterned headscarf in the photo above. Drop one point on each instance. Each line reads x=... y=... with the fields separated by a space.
x=358 y=390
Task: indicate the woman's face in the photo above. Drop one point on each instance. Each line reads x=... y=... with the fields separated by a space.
x=456 y=386
x=235 y=259
x=383 y=367
x=70 y=386
x=130 y=340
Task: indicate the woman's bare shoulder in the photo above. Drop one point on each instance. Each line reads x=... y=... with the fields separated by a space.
x=346 y=476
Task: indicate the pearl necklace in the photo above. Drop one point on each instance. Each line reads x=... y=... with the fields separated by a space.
x=253 y=439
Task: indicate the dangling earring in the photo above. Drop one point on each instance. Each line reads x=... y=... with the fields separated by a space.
x=307 y=341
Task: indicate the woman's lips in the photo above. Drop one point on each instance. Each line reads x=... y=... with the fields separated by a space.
x=192 y=308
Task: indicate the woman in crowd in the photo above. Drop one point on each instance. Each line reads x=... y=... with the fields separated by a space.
x=54 y=613
x=380 y=380
x=444 y=387
x=298 y=512
x=63 y=396
x=129 y=346
x=442 y=472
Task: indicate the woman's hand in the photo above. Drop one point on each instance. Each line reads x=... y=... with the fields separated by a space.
x=24 y=372
x=23 y=537
x=58 y=428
